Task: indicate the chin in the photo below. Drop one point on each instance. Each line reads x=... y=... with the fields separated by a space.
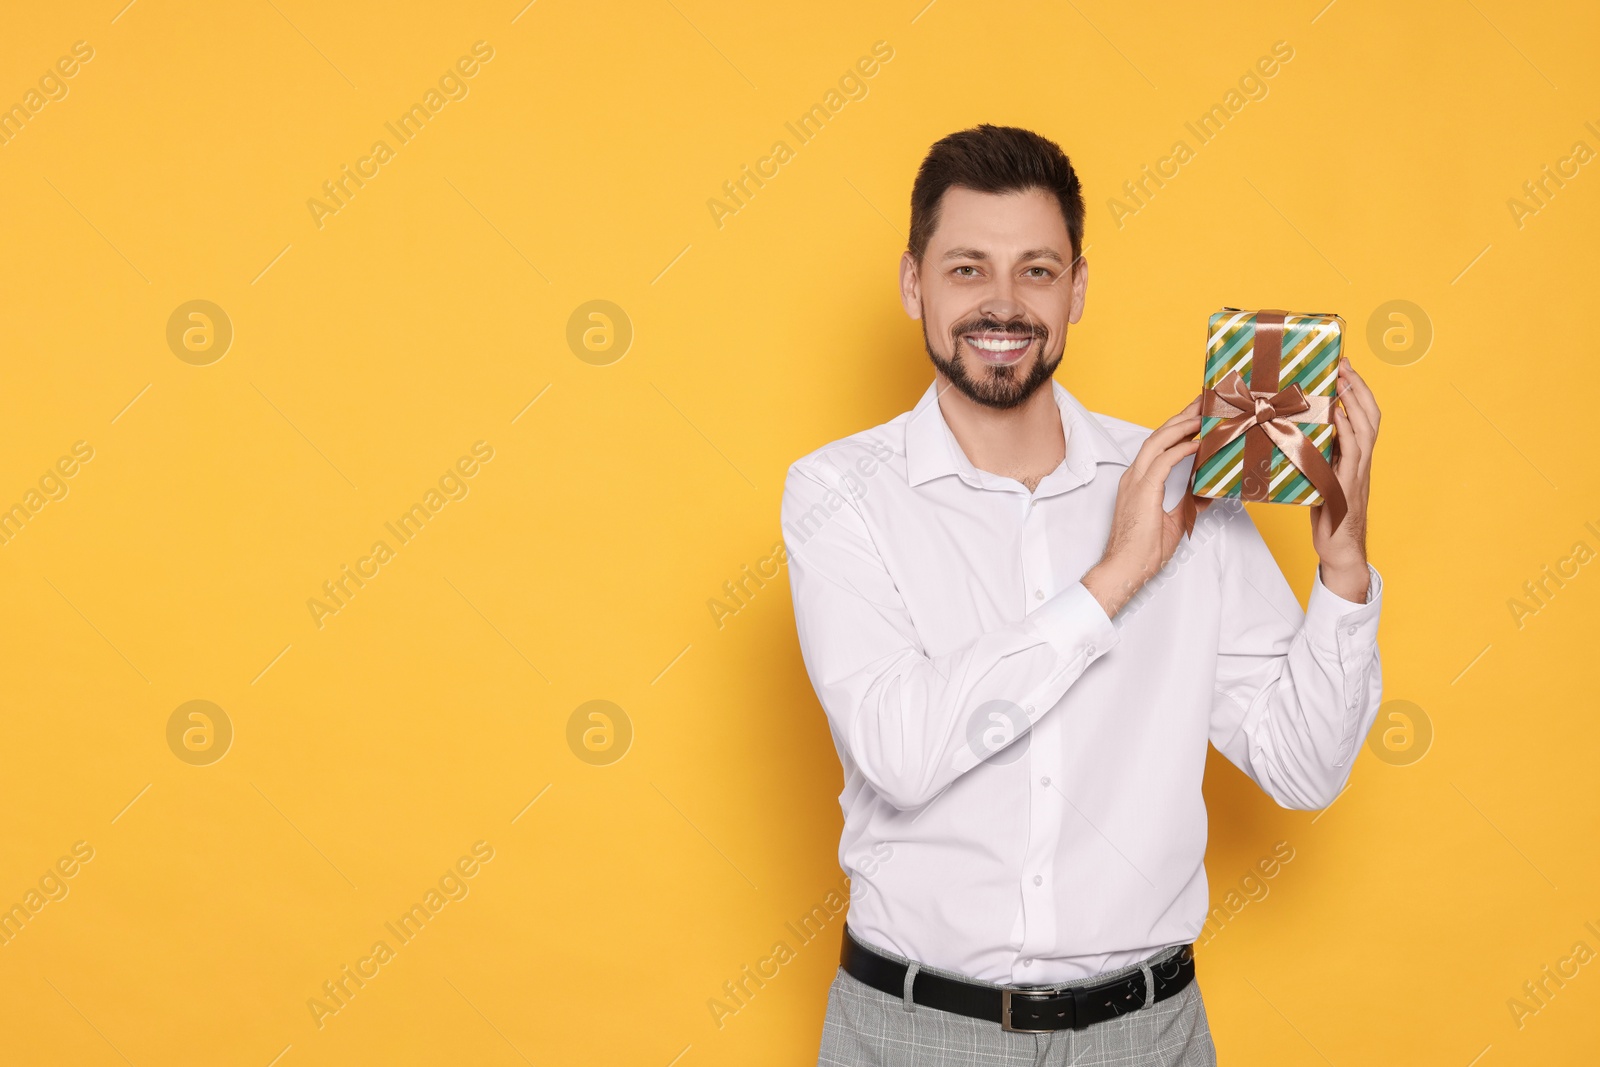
x=1000 y=387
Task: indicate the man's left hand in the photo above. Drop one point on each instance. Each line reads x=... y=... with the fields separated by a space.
x=1343 y=551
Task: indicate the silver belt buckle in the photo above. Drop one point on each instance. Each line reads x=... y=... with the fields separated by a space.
x=1005 y=1007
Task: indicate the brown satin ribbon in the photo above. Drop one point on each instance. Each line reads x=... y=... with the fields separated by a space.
x=1262 y=413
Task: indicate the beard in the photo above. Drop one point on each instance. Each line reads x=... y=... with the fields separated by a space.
x=994 y=387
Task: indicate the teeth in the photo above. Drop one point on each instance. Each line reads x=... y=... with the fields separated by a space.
x=999 y=345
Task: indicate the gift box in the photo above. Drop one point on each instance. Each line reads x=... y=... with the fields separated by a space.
x=1266 y=428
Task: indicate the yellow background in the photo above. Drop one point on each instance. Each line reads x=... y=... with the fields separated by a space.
x=368 y=354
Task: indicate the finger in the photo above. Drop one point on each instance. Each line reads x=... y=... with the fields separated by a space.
x=1359 y=389
x=1190 y=411
x=1355 y=393
x=1351 y=450
x=1161 y=466
x=1184 y=424
x=1164 y=437
x=1350 y=439
x=1359 y=418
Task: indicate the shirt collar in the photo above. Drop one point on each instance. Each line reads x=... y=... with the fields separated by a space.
x=932 y=449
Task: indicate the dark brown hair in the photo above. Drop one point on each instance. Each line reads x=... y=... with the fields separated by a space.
x=994 y=159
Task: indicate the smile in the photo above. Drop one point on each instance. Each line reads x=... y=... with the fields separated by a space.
x=998 y=350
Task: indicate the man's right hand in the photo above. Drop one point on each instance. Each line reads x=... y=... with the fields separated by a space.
x=1143 y=534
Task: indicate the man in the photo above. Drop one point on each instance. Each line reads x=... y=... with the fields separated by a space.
x=1021 y=668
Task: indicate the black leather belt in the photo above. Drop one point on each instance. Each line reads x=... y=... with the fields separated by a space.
x=1022 y=1010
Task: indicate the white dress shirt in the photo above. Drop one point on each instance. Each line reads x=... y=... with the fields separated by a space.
x=1022 y=775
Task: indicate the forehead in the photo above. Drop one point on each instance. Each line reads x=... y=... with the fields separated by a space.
x=999 y=222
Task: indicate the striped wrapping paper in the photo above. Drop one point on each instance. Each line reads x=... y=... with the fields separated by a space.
x=1311 y=348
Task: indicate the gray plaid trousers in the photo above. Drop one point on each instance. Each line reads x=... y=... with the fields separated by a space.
x=868 y=1028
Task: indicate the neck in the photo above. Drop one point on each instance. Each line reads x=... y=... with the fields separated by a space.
x=1025 y=442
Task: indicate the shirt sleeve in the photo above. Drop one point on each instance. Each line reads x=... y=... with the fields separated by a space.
x=910 y=722
x=1295 y=691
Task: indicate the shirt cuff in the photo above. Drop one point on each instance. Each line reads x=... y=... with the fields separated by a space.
x=1074 y=624
x=1340 y=625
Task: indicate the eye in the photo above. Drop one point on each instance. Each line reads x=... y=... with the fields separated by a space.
x=1046 y=271
x=964 y=266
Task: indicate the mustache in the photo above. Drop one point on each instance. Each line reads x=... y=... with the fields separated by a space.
x=981 y=325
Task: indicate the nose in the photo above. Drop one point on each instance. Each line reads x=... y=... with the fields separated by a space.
x=1000 y=300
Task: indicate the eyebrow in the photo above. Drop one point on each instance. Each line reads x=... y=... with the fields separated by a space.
x=975 y=253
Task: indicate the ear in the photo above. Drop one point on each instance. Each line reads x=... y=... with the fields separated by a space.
x=910 y=285
x=1080 y=286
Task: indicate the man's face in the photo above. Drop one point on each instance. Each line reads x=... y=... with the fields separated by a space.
x=995 y=292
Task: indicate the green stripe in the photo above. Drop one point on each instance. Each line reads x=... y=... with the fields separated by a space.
x=1235 y=344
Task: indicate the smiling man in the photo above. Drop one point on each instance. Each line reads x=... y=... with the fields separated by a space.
x=1023 y=822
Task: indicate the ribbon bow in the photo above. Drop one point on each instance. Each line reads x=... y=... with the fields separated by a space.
x=1263 y=417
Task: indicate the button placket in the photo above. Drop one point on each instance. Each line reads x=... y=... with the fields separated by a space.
x=1044 y=813
x=1038 y=570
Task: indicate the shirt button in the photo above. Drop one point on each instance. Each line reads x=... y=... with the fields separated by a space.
x=1045 y=780
x=1038 y=880
x=1027 y=963
x=1090 y=650
x=1038 y=594
x=1351 y=631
